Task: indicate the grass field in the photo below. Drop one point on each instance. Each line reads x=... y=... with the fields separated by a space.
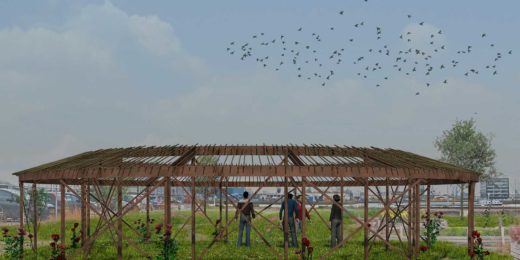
x=317 y=232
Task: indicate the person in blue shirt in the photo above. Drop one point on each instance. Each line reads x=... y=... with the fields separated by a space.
x=291 y=205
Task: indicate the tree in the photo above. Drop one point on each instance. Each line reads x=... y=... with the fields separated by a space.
x=463 y=145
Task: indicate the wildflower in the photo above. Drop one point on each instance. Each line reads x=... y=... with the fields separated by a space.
x=30 y=235
x=423 y=248
x=77 y=239
x=21 y=232
x=76 y=225
x=53 y=244
x=158 y=228
x=55 y=237
x=306 y=242
x=475 y=234
x=310 y=248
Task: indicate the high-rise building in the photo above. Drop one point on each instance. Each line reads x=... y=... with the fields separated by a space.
x=495 y=188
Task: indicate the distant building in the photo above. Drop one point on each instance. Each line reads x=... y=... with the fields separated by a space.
x=495 y=188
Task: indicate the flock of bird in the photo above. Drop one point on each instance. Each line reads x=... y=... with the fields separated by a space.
x=421 y=56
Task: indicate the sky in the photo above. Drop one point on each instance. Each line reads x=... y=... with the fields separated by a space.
x=84 y=75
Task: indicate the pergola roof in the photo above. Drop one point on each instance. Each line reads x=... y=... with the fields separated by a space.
x=248 y=165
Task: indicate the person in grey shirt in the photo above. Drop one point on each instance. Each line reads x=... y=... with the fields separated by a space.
x=336 y=217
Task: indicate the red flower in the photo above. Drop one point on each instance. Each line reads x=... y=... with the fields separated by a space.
x=475 y=234
x=310 y=248
x=158 y=228
x=77 y=239
x=55 y=237
x=423 y=248
x=369 y=225
x=21 y=232
x=30 y=235
x=62 y=246
x=53 y=244
x=479 y=240
x=306 y=242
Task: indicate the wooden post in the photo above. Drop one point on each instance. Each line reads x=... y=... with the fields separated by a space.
x=22 y=203
x=167 y=201
x=148 y=211
x=220 y=205
x=87 y=213
x=83 y=214
x=193 y=197
x=471 y=214
x=341 y=201
x=35 y=217
x=119 y=220
x=63 y=207
x=417 y=218
x=304 y=216
x=205 y=199
x=365 y=220
x=286 y=221
x=227 y=210
x=428 y=195
x=387 y=216
x=410 y=221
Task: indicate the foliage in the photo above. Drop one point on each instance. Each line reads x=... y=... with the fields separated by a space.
x=463 y=145
x=13 y=244
x=316 y=231
x=478 y=247
x=74 y=239
x=432 y=228
x=57 y=251
x=140 y=226
x=168 y=246
x=307 y=251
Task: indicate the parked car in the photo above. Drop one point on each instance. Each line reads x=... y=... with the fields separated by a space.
x=10 y=206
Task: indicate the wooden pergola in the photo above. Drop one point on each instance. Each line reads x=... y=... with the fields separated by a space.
x=295 y=168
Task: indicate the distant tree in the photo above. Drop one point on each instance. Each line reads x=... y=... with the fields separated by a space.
x=463 y=145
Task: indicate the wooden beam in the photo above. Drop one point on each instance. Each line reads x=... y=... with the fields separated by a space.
x=304 y=216
x=365 y=220
x=471 y=214
x=35 y=217
x=193 y=197
x=417 y=218
x=167 y=201
x=22 y=204
x=119 y=220
x=342 y=194
x=387 y=215
x=83 y=214
x=286 y=222
x=251 y=170
x=63 y=208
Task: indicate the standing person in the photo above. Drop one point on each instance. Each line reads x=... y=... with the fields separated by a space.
x=245 y=219
x=299 y=216
x=336 y=217
x=291 y=206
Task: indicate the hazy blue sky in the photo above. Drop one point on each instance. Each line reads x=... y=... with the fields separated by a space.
x=83 y=75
